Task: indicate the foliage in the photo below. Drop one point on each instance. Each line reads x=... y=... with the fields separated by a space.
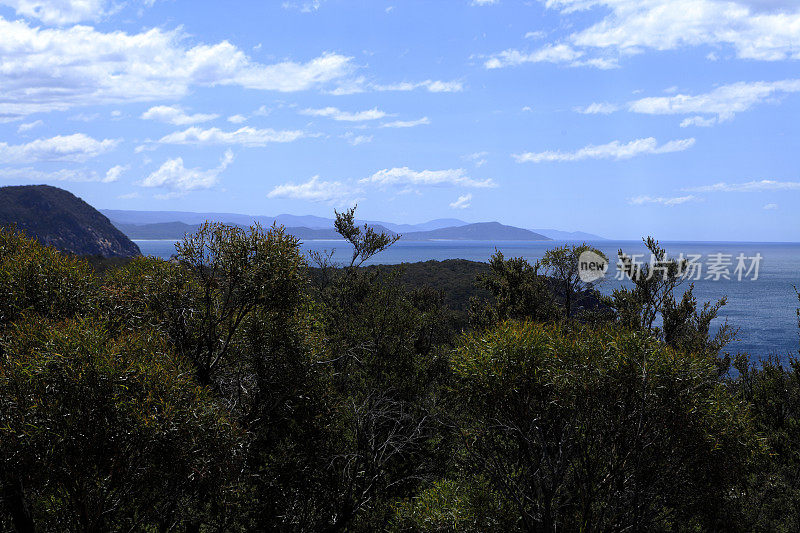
x=221 y=274
x=654 y=295
x=467 y=505
x=384 y=366
x=518 y=290
x=36 y=279
x=773 y=392
x=561 y=263
x=107 y=433
x=599 y=430
x=234 y=388
x=366 y=242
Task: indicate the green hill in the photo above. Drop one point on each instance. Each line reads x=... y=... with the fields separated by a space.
x=62 y=220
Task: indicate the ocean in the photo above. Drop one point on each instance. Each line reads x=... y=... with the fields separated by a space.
x=764 y=310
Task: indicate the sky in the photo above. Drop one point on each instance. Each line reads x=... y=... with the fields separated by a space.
x=623 y=118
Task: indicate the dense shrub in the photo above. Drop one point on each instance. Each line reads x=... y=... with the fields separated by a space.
x=235 y=389
x=106 y=433
x=601 y=430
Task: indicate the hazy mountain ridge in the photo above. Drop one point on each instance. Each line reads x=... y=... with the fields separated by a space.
x=155 y=224
x=477 y=232
x=484 y=231
x=60 y=219
x=560 y=235
x=119 y=216
x=176 y=230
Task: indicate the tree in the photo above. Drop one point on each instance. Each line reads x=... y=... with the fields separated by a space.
x=771 y=388
x=654 y=295
x=519 y=292
x=366 y=241
x=599 y=429
x=38 y=280
x=464 y=504
x=220 y=276
x=561 y=264
x=105 y=432
x=383 y=355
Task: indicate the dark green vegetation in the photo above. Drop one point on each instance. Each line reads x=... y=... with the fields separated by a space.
x=58 y=218
x=238 y=388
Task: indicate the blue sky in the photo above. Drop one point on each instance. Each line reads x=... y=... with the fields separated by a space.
x=676 y=118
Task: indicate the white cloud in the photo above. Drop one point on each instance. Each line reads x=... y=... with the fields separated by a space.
x=612 y=150
x=55 y=69
x=434 y=86
x=41 y=176
x=76 y=148
x=360 y=85
x=478 y=158
x=484 y=2
x=700 y=122
x=29 y=126
x=602 y=108
x=65 y=174
x=59 y=12
x=355 y=140
x=84 y=117
x=771 y=207
x=634 y=25
x=175 y=115
x=179 y=179
x=768 y=5
x=316 y=190
x=346 y=116
x=750 y=186
x=463 y=202
x=129 y=196
x=406 y=123
x=246 y=136
x=552 y=53
x=114 y=173
x=308 y=6
x=669 y=202
x=406 y=176
x=237 y=119
x=724 y=101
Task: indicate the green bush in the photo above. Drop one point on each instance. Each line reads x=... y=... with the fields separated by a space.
x=107 y=433
x=599 y=429
x=467 y=505
x=36 y=279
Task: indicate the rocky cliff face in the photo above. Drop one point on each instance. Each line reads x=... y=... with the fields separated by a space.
x=62 y=220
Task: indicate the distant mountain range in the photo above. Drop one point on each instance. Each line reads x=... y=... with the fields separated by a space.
x=58 y=218
x=174 y=224
x=484 y=231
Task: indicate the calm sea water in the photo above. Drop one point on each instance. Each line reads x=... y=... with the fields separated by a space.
x=764 y=310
